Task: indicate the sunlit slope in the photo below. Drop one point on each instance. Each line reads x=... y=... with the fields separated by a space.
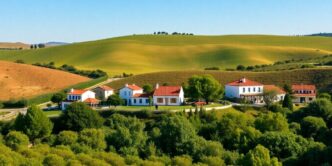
x=148 y=53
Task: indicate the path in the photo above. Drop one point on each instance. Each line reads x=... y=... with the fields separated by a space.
x=11 y=113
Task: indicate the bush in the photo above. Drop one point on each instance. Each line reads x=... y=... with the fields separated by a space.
x=52 y=160
x=15 y=139
x=67 y=138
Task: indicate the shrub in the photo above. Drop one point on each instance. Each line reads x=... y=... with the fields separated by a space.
x=15 y=139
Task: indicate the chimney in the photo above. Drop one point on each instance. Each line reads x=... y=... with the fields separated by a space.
x=243 y=80
x=72 y=90
x=157 y=86
x=126 y=85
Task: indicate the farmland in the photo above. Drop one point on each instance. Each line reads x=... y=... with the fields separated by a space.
x=24 y=81
x=153 y=53
x=319 y=77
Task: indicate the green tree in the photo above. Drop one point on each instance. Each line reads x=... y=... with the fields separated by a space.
x=35 y=124
x=147 y=88
x=114 y=100
x=204 y=87
x=312 y=126
x=271 y=122
x=52 y=160
x=287 y=102
x=15 y=140
x=325 y=96
x=184 y=160
x=320 y=108
x=79 y=116
x=67 y=138
x=58 y=98
x=94 y=138
x=241 y=68
x=288 y=89
x=260 y=156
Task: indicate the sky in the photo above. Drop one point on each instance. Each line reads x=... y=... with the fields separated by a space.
x=34 y=21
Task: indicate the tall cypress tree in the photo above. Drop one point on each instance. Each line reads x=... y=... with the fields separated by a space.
x=287 y=103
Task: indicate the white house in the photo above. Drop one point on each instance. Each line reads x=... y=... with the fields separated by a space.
x=168 y=95
x=128 y=91
x=103 y=92
x=75 y=95
x=245 y=89
x=280 y=92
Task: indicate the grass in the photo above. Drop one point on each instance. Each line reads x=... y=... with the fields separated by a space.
x=148 y=53
x=47 y=97
x=320 y=77
x=55 y=113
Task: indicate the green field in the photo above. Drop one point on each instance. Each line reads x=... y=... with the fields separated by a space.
x=322 y=78
x=152 y=53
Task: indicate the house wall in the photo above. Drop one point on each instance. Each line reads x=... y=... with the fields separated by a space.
x=82 y=97
x=307 y=99
x=167 y=99
x=237 y=91
x=103 y=94
x=232 y=91
x=144 y=101
x=127 y=93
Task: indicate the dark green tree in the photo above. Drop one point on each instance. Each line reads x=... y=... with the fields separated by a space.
x=260 y=156
x=148 y=88
x=79 y=116
x=15 y=140
x=325 y=96
x=287 y=102
x=58 y=98
x=271 y=122
x=312 y=126
x=114 y=100
x=241 y=68
x=35 y=124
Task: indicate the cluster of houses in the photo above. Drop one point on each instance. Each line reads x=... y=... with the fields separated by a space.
x=133 y=95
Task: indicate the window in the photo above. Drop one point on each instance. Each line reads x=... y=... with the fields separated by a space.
x=134 y=100
x=147 y=101
x=78 y=97
x=244 y=90
x=249 y=90
x=310 y=99
x=160 y=100
x=259 y=89
x=173 y=100
x=125 y=93
x=140 y=101
x=254 y=89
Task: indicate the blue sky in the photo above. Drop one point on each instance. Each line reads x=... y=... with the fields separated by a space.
x=35 y=21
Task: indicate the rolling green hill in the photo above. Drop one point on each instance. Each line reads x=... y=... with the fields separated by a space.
x=152 y=53
x=320 y=77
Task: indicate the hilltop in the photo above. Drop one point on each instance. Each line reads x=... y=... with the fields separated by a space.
x=151 y=53
x=18 y=45
x=23 y=81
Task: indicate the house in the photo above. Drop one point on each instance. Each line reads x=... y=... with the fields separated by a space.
x=76 y=95
x=279 y=92
x=141 y=99
x=245 y=89
x=103 y=92
x=168 y=95
x=304 y=93
x=128 y=92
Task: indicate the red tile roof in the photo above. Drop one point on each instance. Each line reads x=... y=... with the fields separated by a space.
x=138 y=95
x=76 y=92
x=104 y=87
x=303 y=87
x=167 y=91
x=274 y=88
x=134 y=87
x=91 y=101
x=305 y=95
x=244 y=82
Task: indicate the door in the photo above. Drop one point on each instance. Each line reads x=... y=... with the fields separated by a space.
x=302 y=99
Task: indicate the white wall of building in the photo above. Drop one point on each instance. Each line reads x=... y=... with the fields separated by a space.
x=127 y=93
x=140 y=101
x=167 y=100
x=237 y=91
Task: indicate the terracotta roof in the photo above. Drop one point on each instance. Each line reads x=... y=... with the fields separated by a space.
x=104 y=87
x=134 y=87
x=77 y=92
x=303 y=87
x=167 y=91
x=138 y=95
x=274 y=88
x=91 y=101
x=305 y=95
x=244 y=82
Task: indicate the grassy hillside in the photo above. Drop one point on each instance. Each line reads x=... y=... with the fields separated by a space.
x=149 y=53
x=24 y=81
x=4 y=45
x=320 y=77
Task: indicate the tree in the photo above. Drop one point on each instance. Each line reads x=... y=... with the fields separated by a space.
x=35 y=124
x=204 y=87
x=241 y=68
x=52 y=159
x=114 y=100
x=312 y=126
x=260 y=156
x=15 y=139
x=321 y=108
x=288 y=89
x=148 y=88
x=94 y=138
x=269 y=97
x=287 y=102
x=66 y=138
x=271 y=122
x=79 y=116
x=325 y=96
x=58 y=98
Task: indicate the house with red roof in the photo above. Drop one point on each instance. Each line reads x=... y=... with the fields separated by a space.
x=168 y=95
x=103 y=92
x=77 y=95
x=133 y=95
x=279 y=91
x=245 y=89
x=304 y=93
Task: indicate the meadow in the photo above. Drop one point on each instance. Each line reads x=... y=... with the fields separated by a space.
x=152 y=53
